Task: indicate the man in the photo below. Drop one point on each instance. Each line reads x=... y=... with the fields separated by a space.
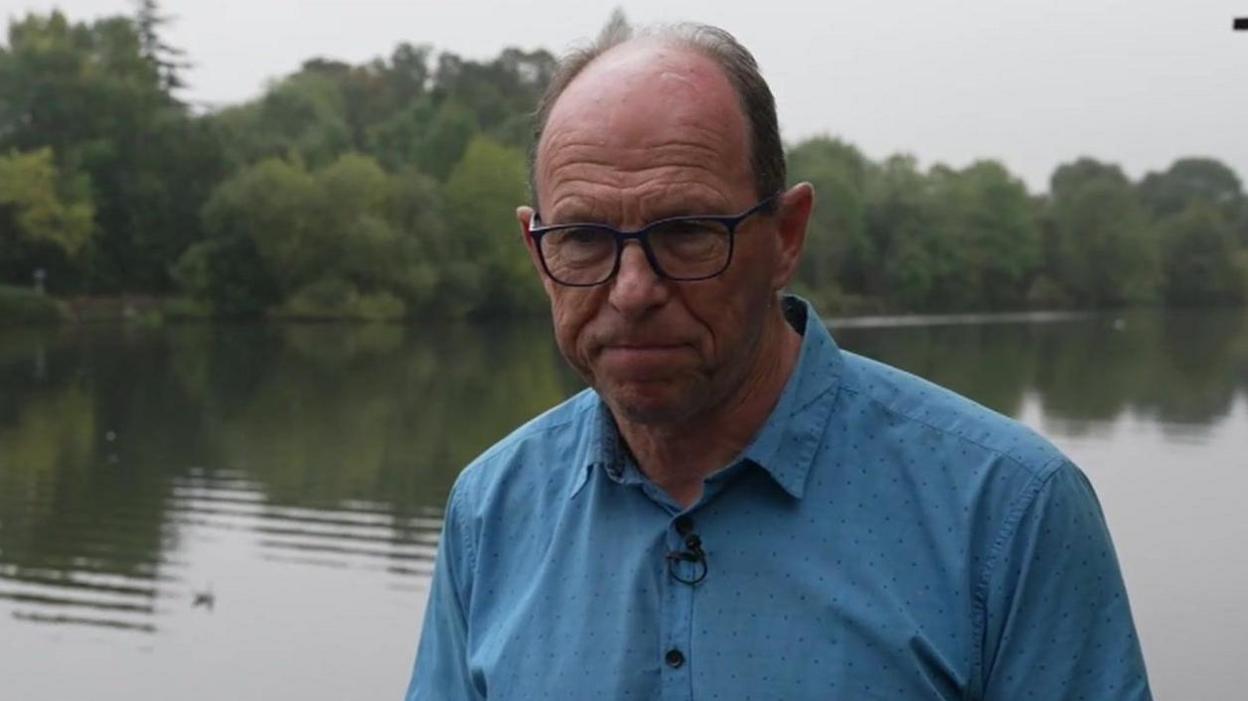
x=737 y=509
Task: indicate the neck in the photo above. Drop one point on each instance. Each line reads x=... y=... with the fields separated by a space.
x=679 y=457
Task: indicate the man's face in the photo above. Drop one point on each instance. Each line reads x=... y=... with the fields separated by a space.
x=647 y=132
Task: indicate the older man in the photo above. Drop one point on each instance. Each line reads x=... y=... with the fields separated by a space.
x=737 y=509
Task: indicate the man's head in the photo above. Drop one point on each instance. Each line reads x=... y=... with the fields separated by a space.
x=668 y=124
x=738 y=66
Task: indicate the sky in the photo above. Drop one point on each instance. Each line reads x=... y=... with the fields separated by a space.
x=1029 y=82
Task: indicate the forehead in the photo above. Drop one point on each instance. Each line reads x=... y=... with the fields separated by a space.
x=645 y=122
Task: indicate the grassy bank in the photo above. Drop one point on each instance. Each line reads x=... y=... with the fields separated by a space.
x=19 y=305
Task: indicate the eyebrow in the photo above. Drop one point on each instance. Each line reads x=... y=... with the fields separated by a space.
x=686 y=208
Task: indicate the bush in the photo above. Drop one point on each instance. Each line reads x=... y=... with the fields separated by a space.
x=22 y=306
x=337 y=299
x=186 y=308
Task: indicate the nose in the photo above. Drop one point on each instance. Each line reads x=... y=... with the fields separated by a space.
x=637 y=288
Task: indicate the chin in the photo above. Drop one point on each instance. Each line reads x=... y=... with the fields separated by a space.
x=652 y=403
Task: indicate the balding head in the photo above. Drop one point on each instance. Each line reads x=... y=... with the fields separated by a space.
x=643 y=113
x=754 y=101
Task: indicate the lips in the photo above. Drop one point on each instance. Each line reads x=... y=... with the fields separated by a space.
x=643 y=361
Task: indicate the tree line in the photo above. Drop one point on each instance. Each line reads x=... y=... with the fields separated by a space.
x=386 y=190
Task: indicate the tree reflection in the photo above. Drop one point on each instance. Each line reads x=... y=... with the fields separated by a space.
x=992 y=364
x=382 y=414
x=107 y=433
x=1179 y=367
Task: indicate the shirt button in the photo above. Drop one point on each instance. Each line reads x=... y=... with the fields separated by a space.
x=674 y=658
x=683 y=525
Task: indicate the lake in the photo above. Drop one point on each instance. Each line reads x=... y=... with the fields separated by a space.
x=238 y=511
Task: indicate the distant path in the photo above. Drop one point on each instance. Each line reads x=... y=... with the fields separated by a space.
x=953 y=319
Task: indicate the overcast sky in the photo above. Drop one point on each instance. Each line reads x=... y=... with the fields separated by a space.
x=1032 y=83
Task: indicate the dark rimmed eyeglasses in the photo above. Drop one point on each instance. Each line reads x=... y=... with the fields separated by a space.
x=684 y=248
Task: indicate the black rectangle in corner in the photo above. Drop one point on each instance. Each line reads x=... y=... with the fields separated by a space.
x=1241 y=24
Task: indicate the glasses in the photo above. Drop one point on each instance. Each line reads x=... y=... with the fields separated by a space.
x=685 y=248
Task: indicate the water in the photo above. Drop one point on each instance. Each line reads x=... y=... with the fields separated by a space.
x=251 y=511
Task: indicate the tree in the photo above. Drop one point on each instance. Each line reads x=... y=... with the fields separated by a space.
x=302 y=117
x=1191 y=180
x=348 y=239
x=1102 y=249
x=89 y=93
x=1203 y=262
x=485 y=263
x=273 y=204
x=33 y=209
x=977 y=245
x=838 y=252
x=446 y=139
x=898 y=215
x=168 y=60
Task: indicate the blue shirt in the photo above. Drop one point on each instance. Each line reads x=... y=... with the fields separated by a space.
x=880 y=538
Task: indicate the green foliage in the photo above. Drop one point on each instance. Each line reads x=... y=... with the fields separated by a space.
x=34 y=210
x=1204 y=263
x=90 y=94
x=1191 y=180
x=897 y=213
x=492 y=272
x=1201 y=216
x=946 y=239
x=300 y=118
x=335 y=298
x=273 y=204
x=388 y=188
x=1100 y=244
x=445 y=139
x=837 y=246
x=302 y=228
x=167 y=60
x=228 y=273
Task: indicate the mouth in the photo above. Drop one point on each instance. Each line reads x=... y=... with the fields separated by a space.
x=643 y=359
x=642 y=348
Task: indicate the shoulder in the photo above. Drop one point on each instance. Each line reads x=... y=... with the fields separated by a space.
x=540 y=456
x=942 y=420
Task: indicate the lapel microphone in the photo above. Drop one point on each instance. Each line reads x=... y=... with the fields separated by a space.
x=692 y=553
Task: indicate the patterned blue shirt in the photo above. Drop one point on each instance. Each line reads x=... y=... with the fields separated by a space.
x=880 y=538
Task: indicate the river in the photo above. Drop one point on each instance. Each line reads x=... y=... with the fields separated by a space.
x=251 y=511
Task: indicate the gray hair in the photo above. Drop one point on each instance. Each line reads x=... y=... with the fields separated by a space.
x=738 y=64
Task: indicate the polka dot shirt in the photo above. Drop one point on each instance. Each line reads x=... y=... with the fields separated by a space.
x=881 y=538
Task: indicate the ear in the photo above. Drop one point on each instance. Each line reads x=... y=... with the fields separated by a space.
x=793 y=217
x=525 y=215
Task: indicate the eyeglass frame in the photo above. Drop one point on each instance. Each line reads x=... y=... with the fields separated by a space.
x=642 y=236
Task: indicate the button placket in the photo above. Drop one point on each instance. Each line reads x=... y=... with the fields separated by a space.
x=675 y=667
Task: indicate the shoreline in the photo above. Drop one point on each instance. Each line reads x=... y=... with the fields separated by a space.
x=149 y=310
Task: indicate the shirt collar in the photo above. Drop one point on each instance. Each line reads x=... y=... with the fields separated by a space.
x=785 y=446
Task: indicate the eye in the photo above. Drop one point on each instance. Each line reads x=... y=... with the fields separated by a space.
x=583 y=236
x=578 y=245
x=579 y=236
x=690 y=238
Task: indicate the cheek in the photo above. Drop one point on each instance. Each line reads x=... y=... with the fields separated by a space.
x=732 y=308
x=720 y=316
x=572 y=310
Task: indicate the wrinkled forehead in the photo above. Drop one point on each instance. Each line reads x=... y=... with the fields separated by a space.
x=640 y=107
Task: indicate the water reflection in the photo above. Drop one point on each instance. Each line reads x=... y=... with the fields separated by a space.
x=331 y=447
x=1180 y=368
x=265 y=463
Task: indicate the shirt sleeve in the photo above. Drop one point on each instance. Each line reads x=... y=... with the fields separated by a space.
x=1057 y=623
x=441 y=672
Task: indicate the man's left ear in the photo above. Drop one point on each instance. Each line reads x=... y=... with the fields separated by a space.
x=793 y=216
